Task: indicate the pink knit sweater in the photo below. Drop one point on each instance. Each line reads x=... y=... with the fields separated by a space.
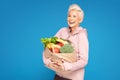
x=80 y=42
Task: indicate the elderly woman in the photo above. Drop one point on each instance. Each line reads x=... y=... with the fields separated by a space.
x=78 y=37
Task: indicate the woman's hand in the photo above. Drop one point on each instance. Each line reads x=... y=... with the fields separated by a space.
x=56 y=65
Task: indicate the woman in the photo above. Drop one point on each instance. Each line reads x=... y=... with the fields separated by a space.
x=78 y=37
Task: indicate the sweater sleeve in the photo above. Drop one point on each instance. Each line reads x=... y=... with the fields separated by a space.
x=60 y=32
x=83 y=54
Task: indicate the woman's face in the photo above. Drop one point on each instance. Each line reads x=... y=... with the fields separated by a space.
x=73 y=18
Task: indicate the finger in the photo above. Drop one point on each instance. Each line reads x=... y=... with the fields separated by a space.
x=62 y=60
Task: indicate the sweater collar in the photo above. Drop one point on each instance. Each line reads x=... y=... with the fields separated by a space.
x=77 y=30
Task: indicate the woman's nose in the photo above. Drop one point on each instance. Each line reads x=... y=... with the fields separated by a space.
x=70 y=18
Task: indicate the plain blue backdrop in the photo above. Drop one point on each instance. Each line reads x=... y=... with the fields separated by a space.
x=24 y=22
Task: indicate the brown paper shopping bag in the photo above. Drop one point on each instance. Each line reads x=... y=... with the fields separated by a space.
x=57 y=58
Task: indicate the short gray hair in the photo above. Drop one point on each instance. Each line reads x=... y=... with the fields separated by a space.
x=77 y=8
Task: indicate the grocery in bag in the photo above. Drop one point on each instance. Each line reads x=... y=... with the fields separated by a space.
x=58 y=49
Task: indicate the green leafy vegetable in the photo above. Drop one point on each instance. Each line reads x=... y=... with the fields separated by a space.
x=46 y=41
x=67 y=48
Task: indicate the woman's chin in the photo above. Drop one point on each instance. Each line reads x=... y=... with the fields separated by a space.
x=71 y=26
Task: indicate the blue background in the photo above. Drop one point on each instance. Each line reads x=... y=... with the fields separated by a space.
x=24 y=22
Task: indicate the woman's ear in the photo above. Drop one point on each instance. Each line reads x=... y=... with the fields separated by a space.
x=80 y=19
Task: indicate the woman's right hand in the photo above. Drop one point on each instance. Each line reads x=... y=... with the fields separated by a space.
x=56 y=65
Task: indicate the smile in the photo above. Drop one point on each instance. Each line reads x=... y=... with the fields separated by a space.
x=71 y=22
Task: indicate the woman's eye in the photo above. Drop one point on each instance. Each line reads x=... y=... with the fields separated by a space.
x=69 y=16
x=74 y=16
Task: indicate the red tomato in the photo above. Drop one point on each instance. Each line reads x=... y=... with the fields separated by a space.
x=60 y=44
x=56 y=50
